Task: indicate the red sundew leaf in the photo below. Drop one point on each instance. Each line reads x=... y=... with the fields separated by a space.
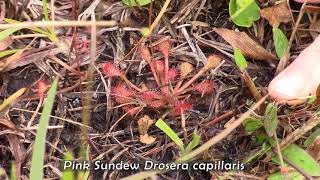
x=131 y=110
x=164 y=47
x=42 y=88
x=205 y=87
x=156 y=104
x=122 y=94
x=150 y=95
x=145 y=54
x=172 y=74
x=158 y=66
x=111 y=70
x=181 y=106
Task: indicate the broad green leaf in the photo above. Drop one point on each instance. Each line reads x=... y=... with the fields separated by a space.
x=313 y=136
x=136 y=2
x=36 y=171
x=6 y=33
x=194 y=142
x=251 y=124
x=240 y=60
x=300 y=158
x=68 y=174
x=169 y=132
x=280 y=42
x=244 y=12
x=271 y=119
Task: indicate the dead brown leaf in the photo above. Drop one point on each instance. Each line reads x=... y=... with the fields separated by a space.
x=18 y=153
x=17 y=150
x=247 y=45
x=144 y=124
x=146 y=139
x=5 y=43
x=32 y=56
x=7 y=124
x=314 y=149
x=277 y=14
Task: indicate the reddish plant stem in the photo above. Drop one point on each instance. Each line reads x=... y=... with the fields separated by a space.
x=219 y=118
x=129 y=83
x=166 y=70
x=192 y=80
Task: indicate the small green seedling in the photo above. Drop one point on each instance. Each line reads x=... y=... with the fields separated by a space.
x=136 y=2
x=240 y=60
x=244 y=12
x=280 y=42
x=271 y=119
x=252 y=124
x=175 y=138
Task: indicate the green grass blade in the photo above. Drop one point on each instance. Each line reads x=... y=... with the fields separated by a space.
x=50 y=34
x=194 y=142
x=39 y=145
x=6 y=33
x=45 y=10
x=68 y=174
x=169 y=132
x=8 y=52
x=13 y=171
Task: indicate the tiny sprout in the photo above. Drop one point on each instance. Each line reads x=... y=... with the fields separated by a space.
x=111 y=70
x=42 y=88
x=145 y=32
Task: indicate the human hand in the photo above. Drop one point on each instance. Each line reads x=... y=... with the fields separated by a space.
x=301 y=78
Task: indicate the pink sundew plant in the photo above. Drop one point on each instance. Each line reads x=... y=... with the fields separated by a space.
x=169 y=93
